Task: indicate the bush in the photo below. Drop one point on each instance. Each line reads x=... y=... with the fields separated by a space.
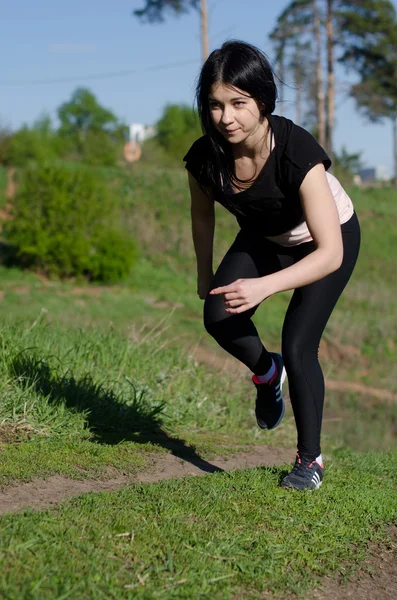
x=177 y=129
x=65 y=223
x=99 y=149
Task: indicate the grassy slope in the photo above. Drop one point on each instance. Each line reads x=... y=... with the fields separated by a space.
x=229 y=535
x=82 y=385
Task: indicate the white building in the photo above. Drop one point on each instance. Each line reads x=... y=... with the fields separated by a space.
x=139 y=133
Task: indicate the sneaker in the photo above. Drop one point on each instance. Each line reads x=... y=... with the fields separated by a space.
x=269 y=406
x=306 y=475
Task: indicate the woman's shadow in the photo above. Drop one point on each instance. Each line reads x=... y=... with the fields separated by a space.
x=111 y=416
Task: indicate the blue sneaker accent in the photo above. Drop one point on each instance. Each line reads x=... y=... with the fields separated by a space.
x=306 y=475
x=269 y=405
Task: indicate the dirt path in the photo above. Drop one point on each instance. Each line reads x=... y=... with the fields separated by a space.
x=376 y=579
x=231 y=365
x=43 y=493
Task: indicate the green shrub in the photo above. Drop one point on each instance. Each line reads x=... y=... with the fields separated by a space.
x=35 y=144
x=177 y=129
x=66 y=223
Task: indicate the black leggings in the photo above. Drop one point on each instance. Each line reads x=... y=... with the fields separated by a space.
x=305 y=320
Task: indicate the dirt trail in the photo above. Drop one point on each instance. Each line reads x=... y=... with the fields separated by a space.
x=231 y=365
x=43 y=493
x=376 y=579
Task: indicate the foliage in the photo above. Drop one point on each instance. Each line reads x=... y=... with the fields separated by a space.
x=292 y=39
x=155 y=154
x=5 y=142
x=154 y=10
x=38 y=143
x=373 y=57
x=177 y=129
x=91 y=130
x=347 y=165
x=65 y=223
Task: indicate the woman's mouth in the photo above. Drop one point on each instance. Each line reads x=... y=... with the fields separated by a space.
x=231 y=131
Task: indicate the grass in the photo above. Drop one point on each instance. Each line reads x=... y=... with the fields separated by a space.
x=75 y=356
x=73 y=390
x=97 y=378
x=228 y=535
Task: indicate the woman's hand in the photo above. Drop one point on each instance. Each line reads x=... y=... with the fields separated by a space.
x=244 y=294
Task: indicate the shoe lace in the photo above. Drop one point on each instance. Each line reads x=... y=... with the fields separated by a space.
x=301 y=464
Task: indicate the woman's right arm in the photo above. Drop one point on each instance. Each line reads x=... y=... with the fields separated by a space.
x=203 y=228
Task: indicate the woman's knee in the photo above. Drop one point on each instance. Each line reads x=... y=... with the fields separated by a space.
x=219 y=328
x=296 y=351
x=222 y=325
x=214 y=315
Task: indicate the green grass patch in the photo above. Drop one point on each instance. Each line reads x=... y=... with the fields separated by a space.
x=95 y=399
x=111 y=365
x=219 y=536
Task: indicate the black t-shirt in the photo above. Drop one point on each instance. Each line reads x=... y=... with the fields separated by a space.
x=271 y=205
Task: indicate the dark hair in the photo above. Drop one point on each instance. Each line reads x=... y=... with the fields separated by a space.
x=243 y=66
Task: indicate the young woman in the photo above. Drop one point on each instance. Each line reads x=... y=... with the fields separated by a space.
x=298 y=231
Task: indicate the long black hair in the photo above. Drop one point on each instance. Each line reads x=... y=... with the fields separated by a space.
x=243 y=66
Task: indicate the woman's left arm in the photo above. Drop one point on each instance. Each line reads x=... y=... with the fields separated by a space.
x=322 y=219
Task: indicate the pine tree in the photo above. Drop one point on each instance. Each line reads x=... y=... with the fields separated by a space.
x=372 y=53
x=154 y=12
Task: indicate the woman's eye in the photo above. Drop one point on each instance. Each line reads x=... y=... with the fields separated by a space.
x=240 y=103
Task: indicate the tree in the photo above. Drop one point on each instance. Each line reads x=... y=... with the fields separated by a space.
x=91 y=130
x=155 y=10
x=177 y=129
x=330 y=97
x=5 y=143
x=286 y=36
x=373 y=56
x=298 y=28
x=347 y=165
x=38 y=143
x=301 y=67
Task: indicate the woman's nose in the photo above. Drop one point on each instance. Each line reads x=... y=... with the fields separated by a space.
x=227 y=116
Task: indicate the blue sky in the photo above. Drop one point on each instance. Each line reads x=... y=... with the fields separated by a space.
x=89 y=42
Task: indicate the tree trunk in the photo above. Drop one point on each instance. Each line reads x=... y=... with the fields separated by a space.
x=319 y=75
x=281 y=74
x=204 y=29
x=299 y=85
x=395 y=148
x=331 y=82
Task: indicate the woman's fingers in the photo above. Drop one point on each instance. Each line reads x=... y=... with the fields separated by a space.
x=233 y=303
x=238 y=309
x=232 y=288
x=232 y=296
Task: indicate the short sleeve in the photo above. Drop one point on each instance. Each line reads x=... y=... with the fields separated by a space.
x=302 y=153
x=196 y=157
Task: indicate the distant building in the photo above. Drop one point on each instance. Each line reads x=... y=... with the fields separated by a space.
x=139 y=133
x=372 y=174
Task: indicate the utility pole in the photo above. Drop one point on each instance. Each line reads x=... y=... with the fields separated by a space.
x=204 y=29
x=330 y=82
x=319 y=75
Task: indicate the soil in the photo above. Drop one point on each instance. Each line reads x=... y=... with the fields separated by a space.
x=44 y=493
x=231 y=365
x=376 y=578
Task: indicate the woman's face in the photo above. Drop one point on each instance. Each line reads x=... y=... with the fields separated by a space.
x=234 y=113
